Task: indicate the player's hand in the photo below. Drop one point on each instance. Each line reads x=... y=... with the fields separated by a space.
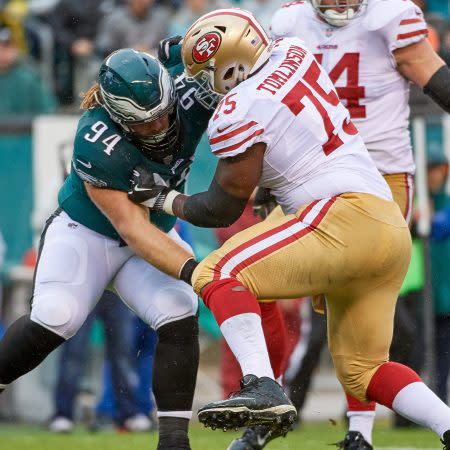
x=147 y=189
x=264 y=203
x=164 y=47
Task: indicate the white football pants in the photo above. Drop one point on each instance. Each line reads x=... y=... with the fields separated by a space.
x=76 y=265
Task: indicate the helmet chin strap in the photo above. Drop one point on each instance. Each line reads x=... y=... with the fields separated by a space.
x=338 y=19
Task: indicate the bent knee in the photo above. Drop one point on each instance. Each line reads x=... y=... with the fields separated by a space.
x=205 y=272
x=58 y=312
x=355 y=375
x=171 y=303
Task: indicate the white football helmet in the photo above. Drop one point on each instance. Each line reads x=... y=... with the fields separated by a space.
x=339 y=12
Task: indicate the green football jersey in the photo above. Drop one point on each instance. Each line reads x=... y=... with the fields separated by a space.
x=105 y=157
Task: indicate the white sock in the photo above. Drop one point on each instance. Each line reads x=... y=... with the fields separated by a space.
x=245 y=337
x=182 y=414
x=362 y=421
x=420 y=404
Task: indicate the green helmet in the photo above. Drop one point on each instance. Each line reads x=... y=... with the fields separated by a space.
x=135 y=88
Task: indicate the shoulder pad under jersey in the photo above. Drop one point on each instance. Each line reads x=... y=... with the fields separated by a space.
x=286 y=20
x=379 y=13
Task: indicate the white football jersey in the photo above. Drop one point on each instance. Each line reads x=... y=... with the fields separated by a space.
x=358 y=58
x=313 y=149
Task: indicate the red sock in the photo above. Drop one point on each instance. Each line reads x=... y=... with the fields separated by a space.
x=388 y=381
x=354 y=404
x=275 y=333
x=228 y=298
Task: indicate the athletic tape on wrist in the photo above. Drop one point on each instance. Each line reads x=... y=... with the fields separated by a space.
x=168 y=202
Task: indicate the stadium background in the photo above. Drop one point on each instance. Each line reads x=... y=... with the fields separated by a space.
x=35 y=144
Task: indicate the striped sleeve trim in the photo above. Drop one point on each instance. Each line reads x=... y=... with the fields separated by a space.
x=411 y=21
x=412 y=34
x=231 y=134
x=239 y=144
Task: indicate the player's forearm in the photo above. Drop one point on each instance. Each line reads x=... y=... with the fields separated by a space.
x=211 y=209
x=132 y=224
x=156 y=247
x=438 y=88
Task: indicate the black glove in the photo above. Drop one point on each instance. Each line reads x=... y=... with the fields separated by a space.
x=148 y=189
x=164 y=47
x=264 y=203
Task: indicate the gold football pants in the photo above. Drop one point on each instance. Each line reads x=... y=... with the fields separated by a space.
x=354 y=248
x=402 y=188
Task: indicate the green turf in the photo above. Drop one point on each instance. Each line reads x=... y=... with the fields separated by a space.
x=310 y=437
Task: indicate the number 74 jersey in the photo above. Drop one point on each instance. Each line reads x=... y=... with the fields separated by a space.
x=313 y=150
x=359 y=60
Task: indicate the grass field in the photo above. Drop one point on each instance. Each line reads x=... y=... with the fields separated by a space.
x=310 y=437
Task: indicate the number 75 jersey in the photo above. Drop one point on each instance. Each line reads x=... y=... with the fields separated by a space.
x=313 y=150
x=359 y=60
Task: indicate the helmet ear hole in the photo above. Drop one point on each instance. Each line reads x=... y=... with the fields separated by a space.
x=221 y=28
x=229 y=73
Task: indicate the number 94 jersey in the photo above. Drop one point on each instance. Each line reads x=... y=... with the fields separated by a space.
x=358 y=58
x=105 y=156
x=313 y=150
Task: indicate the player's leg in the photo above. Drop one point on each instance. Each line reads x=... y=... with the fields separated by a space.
x=276 y=336
x=360 y=354
x=362 y=416
x=72 y=365
x=69 y=279
x=327 y=244
x=170 y=307
x=269 y=260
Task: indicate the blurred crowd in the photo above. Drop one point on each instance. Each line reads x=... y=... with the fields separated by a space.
x=52 y=48
x=66 y=40
x=50 y=51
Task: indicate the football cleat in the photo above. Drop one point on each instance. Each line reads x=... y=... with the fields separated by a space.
x=260 y=401
x=257 y=437
x=354 y=440
x=446 y=440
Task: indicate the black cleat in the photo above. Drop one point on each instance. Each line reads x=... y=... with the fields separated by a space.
x=260 y=401
x=257 y=437
x=446 y=440
x=354 y=440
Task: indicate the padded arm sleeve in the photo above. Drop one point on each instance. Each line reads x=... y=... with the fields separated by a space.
x=214 y=208
x=438 y=88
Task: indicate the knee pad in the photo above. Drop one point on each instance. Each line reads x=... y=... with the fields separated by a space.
x=171 y=303
x=58 y=313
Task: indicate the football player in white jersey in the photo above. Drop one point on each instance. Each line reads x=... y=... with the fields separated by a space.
x=281 y=126
x=371 y=49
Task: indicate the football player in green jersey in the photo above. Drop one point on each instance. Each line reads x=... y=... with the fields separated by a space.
x=140 y=113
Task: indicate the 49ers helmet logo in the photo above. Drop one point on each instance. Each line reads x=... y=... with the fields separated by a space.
x=206 y=47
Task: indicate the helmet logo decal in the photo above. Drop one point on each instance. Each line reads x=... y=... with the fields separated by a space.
x=206 y=47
